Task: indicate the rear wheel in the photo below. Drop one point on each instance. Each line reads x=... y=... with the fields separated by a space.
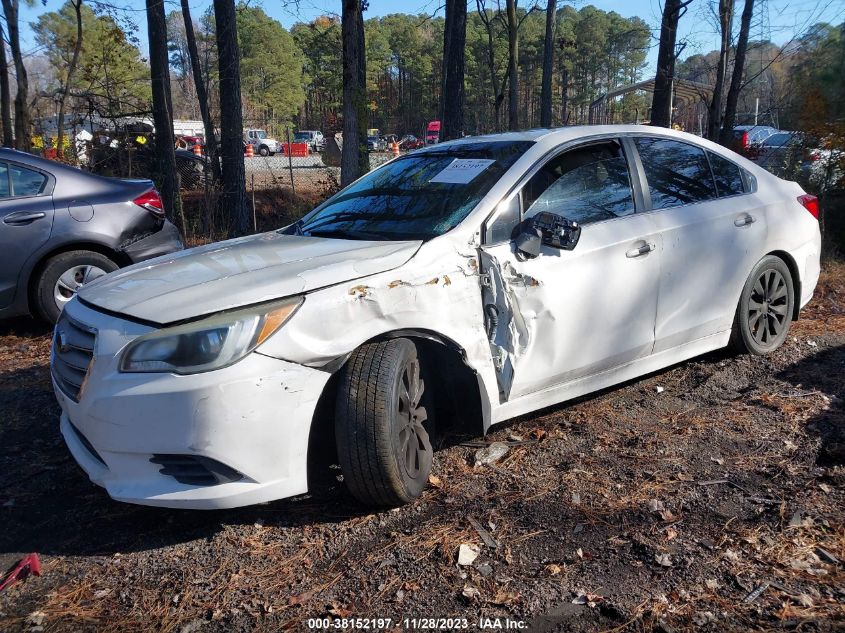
x=383 y=424
x=765 y=308
x=264 y=150
x=63 y=275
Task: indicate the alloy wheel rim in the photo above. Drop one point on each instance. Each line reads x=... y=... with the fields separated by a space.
x=768 y=307
x=72 y=280
x=412 y=442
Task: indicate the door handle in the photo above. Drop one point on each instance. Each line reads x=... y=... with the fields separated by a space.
x=745 y=220
x=23 y=217
x=638 y=252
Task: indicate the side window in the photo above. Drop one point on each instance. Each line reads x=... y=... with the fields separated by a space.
x=585 y=184
x=4 y=181
x=728 y=176
x=678 y=173
x=26 y=182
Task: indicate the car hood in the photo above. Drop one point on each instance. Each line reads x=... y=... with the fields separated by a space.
x=237 y=273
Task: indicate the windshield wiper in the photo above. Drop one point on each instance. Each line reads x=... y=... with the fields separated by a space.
x=344 y=234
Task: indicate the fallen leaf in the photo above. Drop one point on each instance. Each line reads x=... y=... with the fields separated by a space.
x=553 y=569
x=538 y=434
x=671 y=533
x=340 y=610
x=435 y=481
x=589 y=599
x=301 y=598
x=664 y=560
x=467 y=553
x=470 y=592
x=703 y=617
x=505 y=598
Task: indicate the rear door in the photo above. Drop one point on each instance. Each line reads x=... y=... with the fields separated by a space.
x=711 y=232
x=26 y=220
x=568 y=314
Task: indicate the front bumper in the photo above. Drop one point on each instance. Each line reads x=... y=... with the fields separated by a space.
x=254 y=417
x=163 y=242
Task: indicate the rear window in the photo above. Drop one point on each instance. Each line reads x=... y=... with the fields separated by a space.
x=780 y=139
x=25 y=182
x=728 y=176
x=419 y=196
x=678 y=173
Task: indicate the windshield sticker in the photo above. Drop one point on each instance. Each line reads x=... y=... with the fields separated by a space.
x=462 y=171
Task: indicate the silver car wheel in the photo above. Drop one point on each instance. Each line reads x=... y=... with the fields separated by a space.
x=72 y=280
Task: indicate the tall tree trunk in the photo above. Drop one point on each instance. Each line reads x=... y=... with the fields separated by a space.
x=726 y=135
x=77 y=47
x=23 y=139
x=548 y=65
x=202 y=94
x=714 y=118
x=5 y=95
x=162 y=108
x=498 y=91
x=513 y=61
x=354 y=161
x=454 y=44
x=231 y=119
x=661 y=101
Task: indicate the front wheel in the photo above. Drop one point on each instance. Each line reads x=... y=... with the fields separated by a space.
x=264 y=151
x=765 y=308
x=63 y=275
x=383 y=424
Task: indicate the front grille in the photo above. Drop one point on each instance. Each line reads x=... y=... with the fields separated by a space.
x=195 y=470
x=72 y=353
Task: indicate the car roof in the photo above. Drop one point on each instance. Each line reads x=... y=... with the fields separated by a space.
x=556 y=136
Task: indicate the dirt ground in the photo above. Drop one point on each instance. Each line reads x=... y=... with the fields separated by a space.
x=710 y=496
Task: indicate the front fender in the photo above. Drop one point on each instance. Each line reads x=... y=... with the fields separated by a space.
x=435 y=292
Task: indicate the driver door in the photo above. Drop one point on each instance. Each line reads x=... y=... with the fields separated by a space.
x=564 y=315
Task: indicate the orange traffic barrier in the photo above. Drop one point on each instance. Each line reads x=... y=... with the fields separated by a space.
x=250 y=152
x=197 y=150
x=395 y=148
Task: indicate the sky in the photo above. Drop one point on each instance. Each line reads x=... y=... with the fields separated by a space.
x=786 y=18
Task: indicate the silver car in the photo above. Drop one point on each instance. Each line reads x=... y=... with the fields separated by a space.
x=61 y=227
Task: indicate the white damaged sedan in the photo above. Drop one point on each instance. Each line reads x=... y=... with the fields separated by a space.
x=478 y=279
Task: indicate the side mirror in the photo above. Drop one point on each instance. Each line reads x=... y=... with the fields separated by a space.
x=528 y=242
x=546 y=228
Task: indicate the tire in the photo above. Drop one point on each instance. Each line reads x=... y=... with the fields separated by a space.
x=765 y=308
x=62 y=276
x=383 y=424
x=264 y=150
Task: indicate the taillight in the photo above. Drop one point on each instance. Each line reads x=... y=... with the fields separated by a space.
x=151 y=201
x=744 y=140
x=811 y=203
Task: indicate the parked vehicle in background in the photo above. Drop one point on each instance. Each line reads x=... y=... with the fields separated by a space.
x=480 y=279
x=409 y=142
x=192 y=169
x=61 y=228
x=315 y=139
x=432 y=133
x=262 y=144
x=188 y=142
x=748 y=138
x=376 y=144
x=781 y=151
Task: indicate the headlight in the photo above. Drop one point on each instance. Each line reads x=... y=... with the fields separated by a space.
x=209 y=344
